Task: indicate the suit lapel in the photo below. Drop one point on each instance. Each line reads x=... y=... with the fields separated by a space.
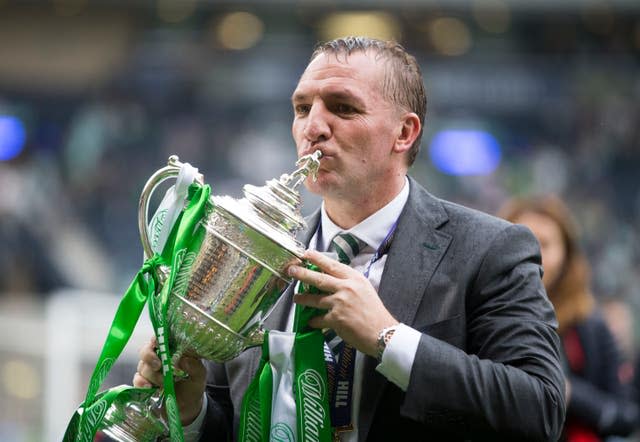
x=415 y=252
x=414 y=255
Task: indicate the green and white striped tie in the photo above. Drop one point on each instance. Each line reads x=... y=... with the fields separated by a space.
x=346 y=246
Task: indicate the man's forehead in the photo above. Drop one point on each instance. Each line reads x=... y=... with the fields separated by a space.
x=330 y=89
x=358 y=66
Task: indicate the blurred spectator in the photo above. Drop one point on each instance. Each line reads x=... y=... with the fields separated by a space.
x=619 y=316
x=25 y=260
x=43 y=245
x=597 y=403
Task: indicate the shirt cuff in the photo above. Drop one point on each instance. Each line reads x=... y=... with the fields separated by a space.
x=192 y=431
x=398 y=356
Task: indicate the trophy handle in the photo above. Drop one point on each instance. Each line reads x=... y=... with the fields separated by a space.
x=171 y=170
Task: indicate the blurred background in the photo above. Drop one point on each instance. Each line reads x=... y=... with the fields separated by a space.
x=523 y=97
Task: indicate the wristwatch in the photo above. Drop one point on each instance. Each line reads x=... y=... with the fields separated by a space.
x=384 y=337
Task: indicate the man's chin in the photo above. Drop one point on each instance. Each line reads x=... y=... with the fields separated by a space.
x=313 y=187
x=322 y=186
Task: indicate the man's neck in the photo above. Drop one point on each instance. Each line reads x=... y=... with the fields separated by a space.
x=348 y=212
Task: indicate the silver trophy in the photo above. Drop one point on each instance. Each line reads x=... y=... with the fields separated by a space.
x=234 y=281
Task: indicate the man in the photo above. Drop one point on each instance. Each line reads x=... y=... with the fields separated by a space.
x=455 y=336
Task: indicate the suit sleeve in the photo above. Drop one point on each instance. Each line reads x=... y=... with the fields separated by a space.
x=509 y=379
x=219 y=415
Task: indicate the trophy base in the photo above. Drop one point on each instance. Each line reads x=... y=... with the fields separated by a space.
x=135 y=419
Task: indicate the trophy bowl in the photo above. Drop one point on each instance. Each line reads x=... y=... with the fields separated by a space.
x=233 y=284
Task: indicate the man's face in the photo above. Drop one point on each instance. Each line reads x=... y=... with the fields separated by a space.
x=340 y=109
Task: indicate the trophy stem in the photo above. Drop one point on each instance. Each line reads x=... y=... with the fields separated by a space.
x=178 y=373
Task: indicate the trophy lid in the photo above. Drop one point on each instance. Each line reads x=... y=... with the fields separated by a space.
x=274 y=209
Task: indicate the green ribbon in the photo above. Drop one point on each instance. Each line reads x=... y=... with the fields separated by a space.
x=302 y=314
x=311 y=388
x=186 y=237
x=255 y=418
x=309 y=385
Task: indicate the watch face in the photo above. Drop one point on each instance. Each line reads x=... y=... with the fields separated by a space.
x=383 y=339
x=388 y=335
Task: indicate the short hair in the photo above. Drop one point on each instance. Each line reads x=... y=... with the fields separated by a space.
x=403 y=83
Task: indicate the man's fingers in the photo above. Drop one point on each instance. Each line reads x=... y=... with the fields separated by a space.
x=319 y=321
x=327 y=265
x=149 y=356
x=318 y=301
x=149 y=366
x=140 y=382
x=322 y=281
x=147 y=375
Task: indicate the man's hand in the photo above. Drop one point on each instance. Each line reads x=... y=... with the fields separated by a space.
x=354 y=309
x=189 y=391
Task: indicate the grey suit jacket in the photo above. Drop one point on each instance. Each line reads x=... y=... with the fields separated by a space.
x=487 y=366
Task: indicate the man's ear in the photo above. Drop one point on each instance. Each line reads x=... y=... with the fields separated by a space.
x=408 y=132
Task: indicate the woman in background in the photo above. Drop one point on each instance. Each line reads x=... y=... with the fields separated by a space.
x=596 y=404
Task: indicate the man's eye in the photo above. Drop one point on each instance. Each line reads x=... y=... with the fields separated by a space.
x=302 y=109
x=345 y=109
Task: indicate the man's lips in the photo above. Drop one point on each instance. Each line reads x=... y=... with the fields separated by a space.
x=325 y=152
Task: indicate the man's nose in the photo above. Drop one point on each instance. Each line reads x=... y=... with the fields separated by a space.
x=317 y=126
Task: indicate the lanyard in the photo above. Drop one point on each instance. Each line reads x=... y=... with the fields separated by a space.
x=340 y=372
x=383 y=249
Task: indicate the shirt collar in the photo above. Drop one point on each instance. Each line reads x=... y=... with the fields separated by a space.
x=373 y=229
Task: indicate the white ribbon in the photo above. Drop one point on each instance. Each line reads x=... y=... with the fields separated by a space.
x=170 y=207
x=283 y=403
